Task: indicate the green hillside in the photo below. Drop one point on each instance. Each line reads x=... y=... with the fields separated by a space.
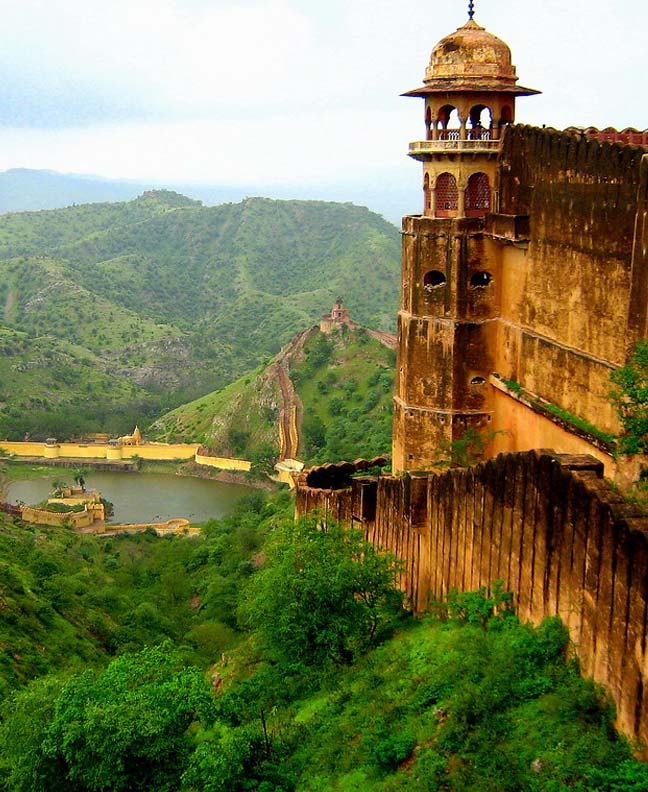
x=70 y=601
x=344 y=383
x=287 y=666
x=170 y=300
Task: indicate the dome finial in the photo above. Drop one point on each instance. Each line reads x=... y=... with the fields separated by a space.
x=471 y=9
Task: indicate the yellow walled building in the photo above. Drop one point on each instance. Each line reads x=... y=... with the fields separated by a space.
x=117 y=451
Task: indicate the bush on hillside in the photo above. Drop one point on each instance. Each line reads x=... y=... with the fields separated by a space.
x=322 y=595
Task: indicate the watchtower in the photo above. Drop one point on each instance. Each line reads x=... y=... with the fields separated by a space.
x=449 y=288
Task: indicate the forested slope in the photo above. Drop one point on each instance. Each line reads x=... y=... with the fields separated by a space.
x=171 y=300
x=344 y=383
x=318 y=681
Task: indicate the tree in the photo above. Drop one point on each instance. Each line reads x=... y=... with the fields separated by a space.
x=466 y=450
x=322 y=595
x=264 y=458
x=129 y=727
x=25 y=716
x=630 y=399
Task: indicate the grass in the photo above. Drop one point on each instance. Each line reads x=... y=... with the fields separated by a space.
x=454 y=706
x=564 y=415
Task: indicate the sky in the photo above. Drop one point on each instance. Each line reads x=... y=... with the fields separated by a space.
x=284 y=92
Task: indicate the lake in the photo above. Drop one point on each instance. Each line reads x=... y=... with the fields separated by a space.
x=143 y=497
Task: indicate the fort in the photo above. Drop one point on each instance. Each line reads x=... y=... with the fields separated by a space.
x=127 y=448
x=524 y=285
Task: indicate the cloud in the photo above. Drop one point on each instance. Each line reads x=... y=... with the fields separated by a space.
x=70 y=62
x=274 y=90
x=276 y=150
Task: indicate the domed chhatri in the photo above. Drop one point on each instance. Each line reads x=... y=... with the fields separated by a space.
x=471 y=52
x=471 y=58
x=470 y=88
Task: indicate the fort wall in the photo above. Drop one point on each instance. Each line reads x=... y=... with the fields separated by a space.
x=570 y=292
x=546 y=524
x=517 y=426
x=76 y=520
x=224 y=463
x=148 y=451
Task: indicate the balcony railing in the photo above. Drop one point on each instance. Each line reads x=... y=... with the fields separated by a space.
x=435 y=146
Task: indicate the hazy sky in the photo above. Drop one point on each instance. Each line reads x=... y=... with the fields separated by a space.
x=283 y=91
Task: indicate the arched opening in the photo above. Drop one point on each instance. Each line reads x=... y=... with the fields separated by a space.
x=478 y=195
x=478 y=381
x=428 y=124
x=481 y=279
x=434 y=279
x=449 y=123
x=481 y=121
x=446 y=196
x=427 y=196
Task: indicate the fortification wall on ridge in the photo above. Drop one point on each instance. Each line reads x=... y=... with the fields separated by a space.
x=548 y=525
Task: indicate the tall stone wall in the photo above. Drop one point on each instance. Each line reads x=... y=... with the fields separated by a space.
x=548 y=525
x=574 y=298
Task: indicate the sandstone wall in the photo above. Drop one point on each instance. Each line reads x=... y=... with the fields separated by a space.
x=574 y=299
x=223 y=463
x=76 y=520
x=548 y=525
x=150 y=451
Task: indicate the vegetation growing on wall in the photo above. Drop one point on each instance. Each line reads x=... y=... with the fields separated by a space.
x=630 y=398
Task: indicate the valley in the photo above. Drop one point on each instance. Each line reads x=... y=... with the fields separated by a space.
x=325 y=396
x=160 y=300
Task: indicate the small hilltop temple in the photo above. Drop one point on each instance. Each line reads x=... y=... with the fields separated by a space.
x=338 y=317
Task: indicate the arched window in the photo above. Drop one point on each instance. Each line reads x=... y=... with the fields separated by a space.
x=446 y=196
x=478 y=195
x=427 y=196
x=481 y=121
x=428 y=123
x=449 y=123
x=434 y=279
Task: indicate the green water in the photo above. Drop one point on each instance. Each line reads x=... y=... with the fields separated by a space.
x=143 y=497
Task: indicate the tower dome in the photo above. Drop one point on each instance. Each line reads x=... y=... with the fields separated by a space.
x=471 y=59
x=471 y=52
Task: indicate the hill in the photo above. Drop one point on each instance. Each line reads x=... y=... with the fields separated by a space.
x=305 y=693
x=170 y=300
x=25 y=190
x=341 y=385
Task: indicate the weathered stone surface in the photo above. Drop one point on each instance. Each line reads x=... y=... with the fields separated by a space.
x=550 y=293
x=547 y=524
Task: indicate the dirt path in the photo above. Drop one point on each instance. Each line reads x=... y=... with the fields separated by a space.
x=9 y=305
x=291 y=407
